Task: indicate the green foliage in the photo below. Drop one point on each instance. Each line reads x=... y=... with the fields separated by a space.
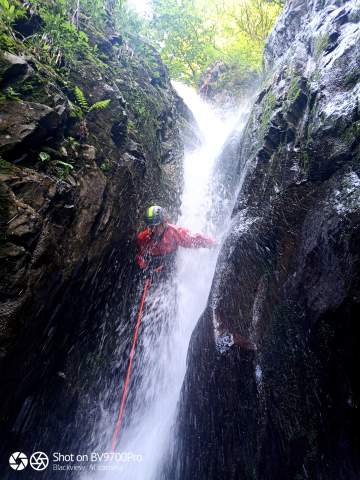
x=351 y=133
x=10 y=11
x=186 y=42
x=11 y=94
x=58 y=167
x=63 y=38
x=62 y=169
x=101 y=105
x=67 y=167
x=254 y=18
x=294 y=89
x=84 y=106
x=126 y=20
x=321 y=42
x=5 y=167
x=191 y=34
x=44 y=157
x=59 y=43
x=81 y=100
x=7 y=41
x=305 y=159
x=268 y=107
x=131 y=125
x=144 y=111
x=105 y=166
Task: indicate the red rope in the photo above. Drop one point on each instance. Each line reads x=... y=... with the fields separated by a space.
x=128 y=374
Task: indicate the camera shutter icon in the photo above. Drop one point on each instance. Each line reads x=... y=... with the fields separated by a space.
x=18 y=461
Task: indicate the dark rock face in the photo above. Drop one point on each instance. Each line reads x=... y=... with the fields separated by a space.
x=12 y=66
x=271 y=390
x=25 y=124
x=72 y=197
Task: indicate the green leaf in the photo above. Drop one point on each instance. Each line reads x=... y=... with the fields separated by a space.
x=44 y=157
x=5 y=4
x=100 y=105
x=105 y=167
x=81 y=100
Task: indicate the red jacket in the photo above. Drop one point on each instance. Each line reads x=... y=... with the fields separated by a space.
x=172 y=238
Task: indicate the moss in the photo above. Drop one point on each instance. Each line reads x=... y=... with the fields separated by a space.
x=316 y=75
x=268 y=106
x=141 y=111
x=146 y=111
x=131 y=125
x=31 y=87
x=294 y=90
x=305 y=160
x=12 y=94
x=320 y=44
x=352 y=133
x=6 y=167
x=105 y=166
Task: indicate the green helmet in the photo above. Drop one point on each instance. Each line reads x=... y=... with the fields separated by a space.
x=154 y=215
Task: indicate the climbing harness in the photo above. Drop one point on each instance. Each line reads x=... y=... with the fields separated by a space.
x=129 y=369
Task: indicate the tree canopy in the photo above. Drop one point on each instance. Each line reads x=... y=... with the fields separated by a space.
x=189 y=34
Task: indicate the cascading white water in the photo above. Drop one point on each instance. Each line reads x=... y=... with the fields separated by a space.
x=173 y=310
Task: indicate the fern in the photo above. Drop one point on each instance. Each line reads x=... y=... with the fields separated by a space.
x=82 y=109
x=81 y=100
x=84 y=104
x=100 y=105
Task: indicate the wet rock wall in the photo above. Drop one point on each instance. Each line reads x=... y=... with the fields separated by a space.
x=271 y=390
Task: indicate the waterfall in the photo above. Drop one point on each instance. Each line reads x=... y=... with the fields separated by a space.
x=172 y=311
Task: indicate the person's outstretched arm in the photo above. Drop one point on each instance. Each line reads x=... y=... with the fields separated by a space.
x=193 y=240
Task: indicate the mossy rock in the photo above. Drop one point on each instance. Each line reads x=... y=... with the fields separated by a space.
x=320 y=44
x=351 y=135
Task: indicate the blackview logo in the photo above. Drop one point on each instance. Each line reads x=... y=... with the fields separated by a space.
x=38 y=461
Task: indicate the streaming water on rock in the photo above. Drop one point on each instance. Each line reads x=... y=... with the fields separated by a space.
x=172 y=309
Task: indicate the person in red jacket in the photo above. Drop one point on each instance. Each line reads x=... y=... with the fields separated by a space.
x=158 y=243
